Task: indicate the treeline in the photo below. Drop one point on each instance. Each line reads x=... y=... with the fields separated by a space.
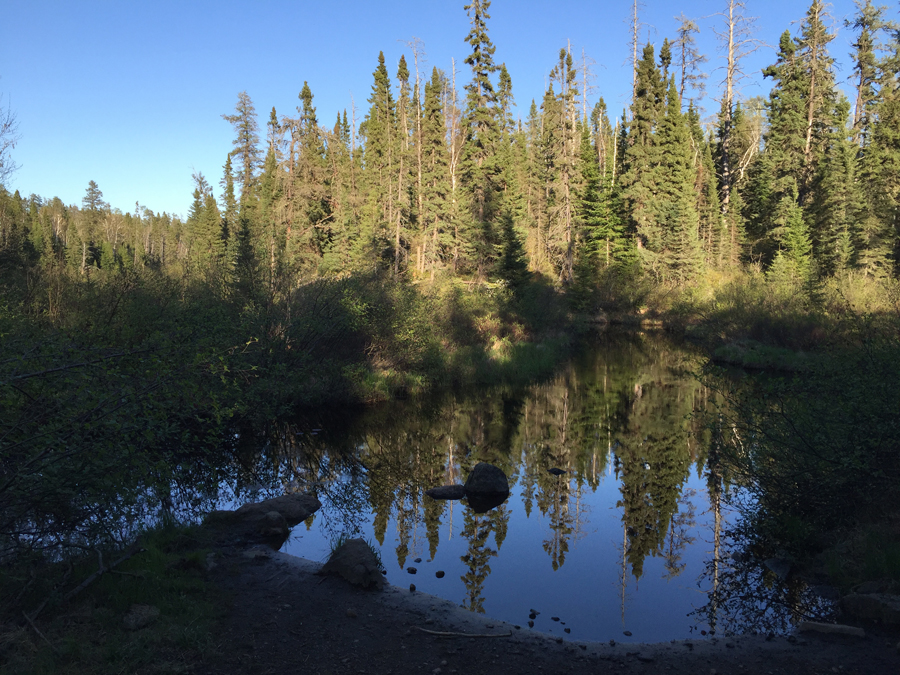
x=436 y=182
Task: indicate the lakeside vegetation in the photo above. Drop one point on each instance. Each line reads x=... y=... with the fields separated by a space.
x=441 y=242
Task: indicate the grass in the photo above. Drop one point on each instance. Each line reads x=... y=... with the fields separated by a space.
x=869 y=553
x=87 y=633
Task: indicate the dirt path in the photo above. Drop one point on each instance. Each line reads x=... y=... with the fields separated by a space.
x=284 y=618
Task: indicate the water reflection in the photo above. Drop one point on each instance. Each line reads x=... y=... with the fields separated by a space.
x=622 y=516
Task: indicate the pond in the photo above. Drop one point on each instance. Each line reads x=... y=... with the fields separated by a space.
x=621 y=546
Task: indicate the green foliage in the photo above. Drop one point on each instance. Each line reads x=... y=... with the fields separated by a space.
x=804 y=445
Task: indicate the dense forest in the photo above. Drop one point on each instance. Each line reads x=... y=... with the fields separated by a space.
x=437 y=241
x=436 y=181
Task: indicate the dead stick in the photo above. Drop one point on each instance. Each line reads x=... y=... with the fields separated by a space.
x=36 y=630
x=91 y=579
x=463 y=635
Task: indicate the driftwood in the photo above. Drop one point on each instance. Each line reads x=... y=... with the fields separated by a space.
x=440 y=633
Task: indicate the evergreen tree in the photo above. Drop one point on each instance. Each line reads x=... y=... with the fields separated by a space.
x=677 y=195
x=479 y=166
x=641 y=176
x=435 y=186
x=381 y=152
x=245 y=145
x=307 y=196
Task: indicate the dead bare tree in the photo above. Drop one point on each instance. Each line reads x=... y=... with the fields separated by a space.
x=736 y=42
x=9 y=136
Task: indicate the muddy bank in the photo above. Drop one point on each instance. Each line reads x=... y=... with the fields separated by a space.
x=284 y=617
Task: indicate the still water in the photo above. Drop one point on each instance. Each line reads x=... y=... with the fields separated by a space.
x=625 y=540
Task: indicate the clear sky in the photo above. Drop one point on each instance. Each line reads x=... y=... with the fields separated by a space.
x=130 y=93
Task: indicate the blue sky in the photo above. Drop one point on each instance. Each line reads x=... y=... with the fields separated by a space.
x=130 y=93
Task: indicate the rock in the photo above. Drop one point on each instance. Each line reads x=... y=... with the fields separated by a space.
x=294 y=508
x=412 y=588
x=487 y=479
x=267 y=522
x=140 y=616
x=557 y=472
x=447 y=492
x=627 y=633
x=439 y=574
x=554 y=618
x=829 y=628
x=567 y=630
x=411 y=570
x=355 y=561
x=417 y=560
x=873 y=606
x=531 y=624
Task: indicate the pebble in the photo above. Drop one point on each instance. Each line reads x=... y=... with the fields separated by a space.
x=412 y=587
x=417 y=560
x=411 y=570
x=533 y=615
x=439 y=574
x=554 y=618
x=612 y=643
x=531 y=624
x=627 y=633
x=567 y=630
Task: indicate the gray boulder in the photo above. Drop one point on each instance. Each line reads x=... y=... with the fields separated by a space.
x=355 y=561
x=487 y=479
x=268 y=522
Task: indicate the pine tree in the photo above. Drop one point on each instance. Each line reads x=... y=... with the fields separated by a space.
x=677 y=196
x=642 y=177
x=435 y=185
x=479 y=167
x=307 y=199
x=245 y=145
x=877 y=238
x=381 y=152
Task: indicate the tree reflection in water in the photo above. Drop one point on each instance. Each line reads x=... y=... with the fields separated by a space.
x=626 y=412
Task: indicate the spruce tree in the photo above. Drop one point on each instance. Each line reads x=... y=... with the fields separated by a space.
x=435 y=186
x=245 y=146
x=641 y=171
x=479 y=166
x=381 y=152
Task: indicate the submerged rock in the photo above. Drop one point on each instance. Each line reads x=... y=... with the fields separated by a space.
x=484 y=503
x=487 y=479
x=447 y=492
x=355 y=561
